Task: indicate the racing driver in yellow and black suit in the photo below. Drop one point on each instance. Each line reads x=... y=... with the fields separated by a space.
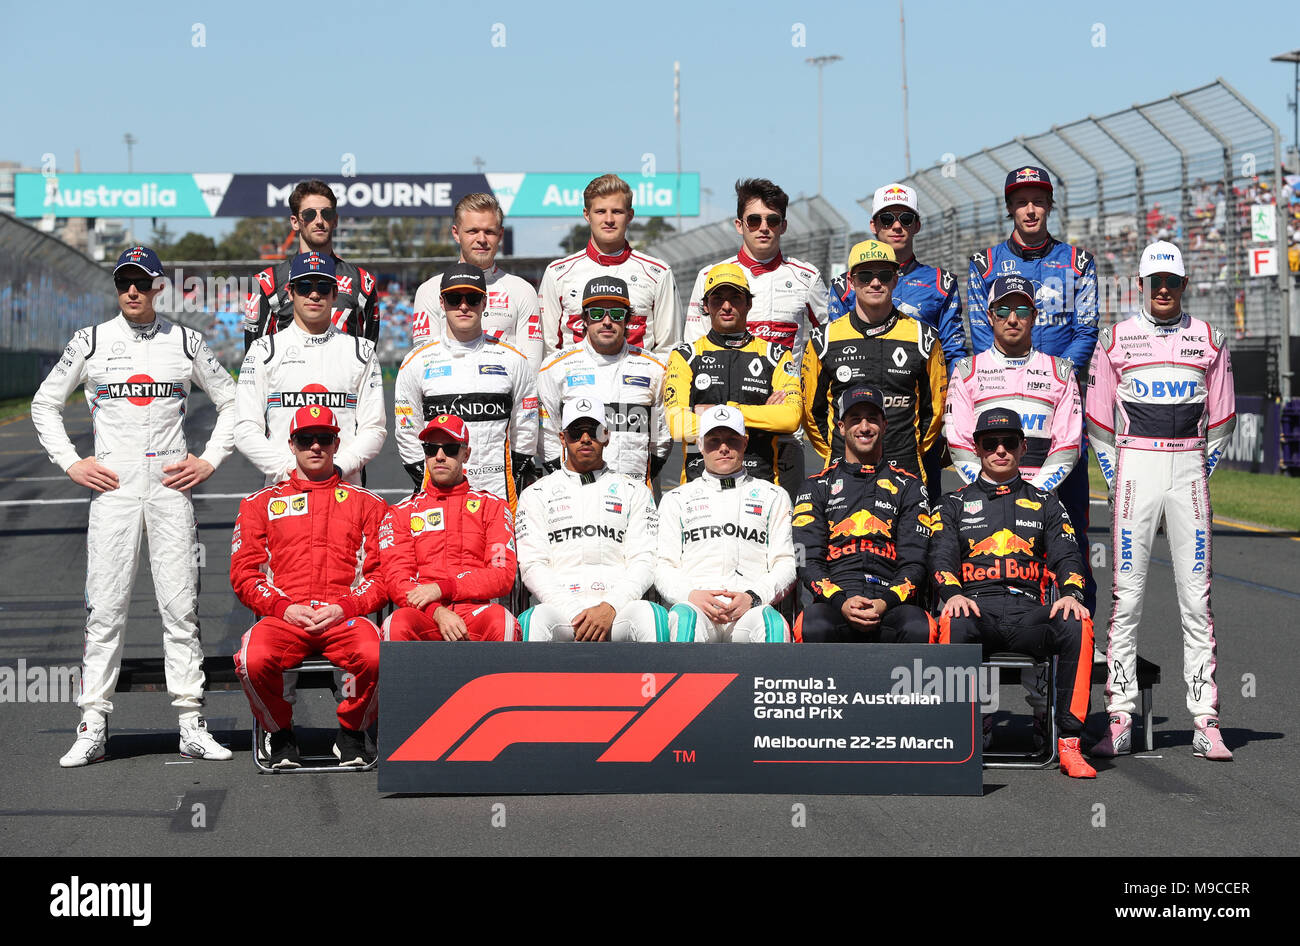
x=731 y=366
x=876 y=345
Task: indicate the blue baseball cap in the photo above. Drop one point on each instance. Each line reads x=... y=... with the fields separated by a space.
x=1027 y=176
x=141 y=257
x=1014 y=284
x=999 y=420
x=311 y=264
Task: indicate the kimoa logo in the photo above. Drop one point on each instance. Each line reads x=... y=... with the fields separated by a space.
x=676 y=700
x=75 y=899
x=24 y=684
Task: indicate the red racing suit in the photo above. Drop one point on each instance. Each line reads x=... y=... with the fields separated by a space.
x=1161 y=408
x=461 y=538
x=304 y=542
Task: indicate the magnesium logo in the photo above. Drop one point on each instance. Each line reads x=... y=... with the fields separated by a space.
x=638 y=714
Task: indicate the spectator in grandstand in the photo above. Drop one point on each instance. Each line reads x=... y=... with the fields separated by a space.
x=863 y=527
x=995 y=542
x=511 y=314
x=877 y=345
x=1161 y=410
x=449 y=549
x=136 y=371
x=587 y=539
x=625 y=378
x=607 y=208
x=322 y=534
x=310 y=362
x=1065 y=297
x=480 y=379
x=790 y=296
x=313 y=214
x=725 y=551
x=730 y=365
x=922 y=292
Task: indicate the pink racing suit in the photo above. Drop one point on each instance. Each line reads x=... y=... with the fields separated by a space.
x=1038 y=387
x=1161 y=408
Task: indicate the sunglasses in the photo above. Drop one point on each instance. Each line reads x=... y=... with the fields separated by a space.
x=124 y=283
x=991 y=443
x=329 y=215
x=865 y=277
x=575 y=432
x=454 y=299
x=451 y=450
x=595 y=314
x=305 y=441
x=307 y=285
x=1165 y=281
x=754 y=221
x=886 y=219
x=1023 y=312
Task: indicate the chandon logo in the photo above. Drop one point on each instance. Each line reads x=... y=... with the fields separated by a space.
x=645 y=711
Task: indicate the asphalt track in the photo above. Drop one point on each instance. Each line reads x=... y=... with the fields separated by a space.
x=141 y=800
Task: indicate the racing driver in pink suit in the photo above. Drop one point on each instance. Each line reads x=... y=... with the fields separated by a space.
x=1161 y=409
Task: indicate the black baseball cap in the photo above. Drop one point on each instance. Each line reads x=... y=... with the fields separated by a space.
x=605 y=289
x=463 y=276
x=861 y=394
x=999 y=420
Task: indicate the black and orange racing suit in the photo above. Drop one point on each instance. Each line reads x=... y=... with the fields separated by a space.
x=864 y=531
x=1003 y=545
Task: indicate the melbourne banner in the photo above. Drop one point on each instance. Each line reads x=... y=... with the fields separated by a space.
x=829 y=719
x=365 y=195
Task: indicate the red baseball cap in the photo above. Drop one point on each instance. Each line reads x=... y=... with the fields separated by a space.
x=448 y=424
x=313 y=417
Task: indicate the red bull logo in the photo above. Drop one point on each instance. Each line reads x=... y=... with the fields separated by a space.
x=947 y=578
x=1001 y=543
x=1010 y=569
x=896 y=192
x=904 y=591
x=1027 y=174
x=862 y=522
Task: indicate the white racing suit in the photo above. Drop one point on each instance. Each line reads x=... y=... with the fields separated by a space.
x=731 y=533
x=137 y=381
x=584 y=538
x=1161 y=408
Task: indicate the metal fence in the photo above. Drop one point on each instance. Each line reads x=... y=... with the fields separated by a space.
x=817 y=234
x=1187 y=168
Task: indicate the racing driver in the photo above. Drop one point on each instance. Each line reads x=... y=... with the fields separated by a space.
x=310 y=362
x=304 y=558
x=449 y=549
x=137 y=370
x=725 y=549
x=995 y=543
x=587 y=542
x=864 y=527
x=1161 y=409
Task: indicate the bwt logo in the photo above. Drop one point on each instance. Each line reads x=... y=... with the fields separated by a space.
x=645 y=711
x=1199 y=553
x=1033 y=421
x=1126 y=550
x=1164 y=388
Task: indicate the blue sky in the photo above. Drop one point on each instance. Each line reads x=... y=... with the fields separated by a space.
x=420 y=86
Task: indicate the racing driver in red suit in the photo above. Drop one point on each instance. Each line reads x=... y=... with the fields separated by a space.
x=449 y=550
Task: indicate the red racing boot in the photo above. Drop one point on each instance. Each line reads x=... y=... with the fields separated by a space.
x=1072 y=761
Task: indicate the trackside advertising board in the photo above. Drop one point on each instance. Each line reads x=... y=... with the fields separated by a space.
x=511 y=718
x=521 y=194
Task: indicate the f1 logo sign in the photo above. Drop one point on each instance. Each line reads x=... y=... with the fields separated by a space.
x=645 y=711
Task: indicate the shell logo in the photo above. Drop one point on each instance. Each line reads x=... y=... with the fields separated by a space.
x=417 y=523
x=278 y=507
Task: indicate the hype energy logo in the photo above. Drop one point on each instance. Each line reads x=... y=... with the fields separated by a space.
x=119 y=195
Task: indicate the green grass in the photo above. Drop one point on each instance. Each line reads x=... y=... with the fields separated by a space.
x=1272 y=501
x=14 y=406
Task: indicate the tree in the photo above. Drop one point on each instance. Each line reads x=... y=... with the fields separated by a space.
x=194 y=246
x=250 y=235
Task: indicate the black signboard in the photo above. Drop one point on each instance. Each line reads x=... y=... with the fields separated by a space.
x=511 y=718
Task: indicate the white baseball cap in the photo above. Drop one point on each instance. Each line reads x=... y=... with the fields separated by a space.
x=1161 y=257
x=892 y=194
x=576 y=407
x=722 y=415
